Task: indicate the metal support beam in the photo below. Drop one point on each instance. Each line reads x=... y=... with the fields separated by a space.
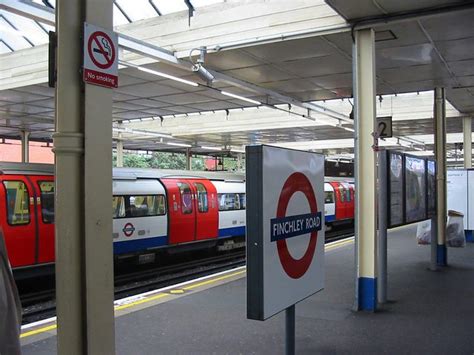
x=467 y=142
x=365 y=113
x=25 y=146
x=83 y=149
x=440 y=153
x=120 y=151
x=149 y=50
x=188 y=159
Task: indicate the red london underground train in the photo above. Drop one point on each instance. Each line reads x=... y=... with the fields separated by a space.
x=152 y=210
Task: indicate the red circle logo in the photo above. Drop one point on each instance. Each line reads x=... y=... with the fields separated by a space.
x=128 y=229
x=101 y=50
x=296 y=182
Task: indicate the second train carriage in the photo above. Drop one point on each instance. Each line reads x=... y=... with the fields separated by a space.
x=151 y=209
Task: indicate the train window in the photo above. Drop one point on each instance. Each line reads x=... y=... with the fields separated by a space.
x=118 y=206
x=201 y=197
x=186 y=198
x=231 y=201
x=328 y=197
x=342 y=195
x=47 y=201
x=146 y=206
x=18 y=209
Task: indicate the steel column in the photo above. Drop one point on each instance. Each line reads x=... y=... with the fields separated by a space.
x=25 y=146
x=290 y=330
x=440 y=153
x=467 y=142
x=188 y=159
x=119 y=151
x=382 y=227
x=83 y=154
x=365 y=113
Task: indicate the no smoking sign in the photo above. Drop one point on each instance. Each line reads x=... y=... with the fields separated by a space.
x=100 y=56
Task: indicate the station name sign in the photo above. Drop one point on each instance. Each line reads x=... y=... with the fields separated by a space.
x=285 y=234
x=293 y=226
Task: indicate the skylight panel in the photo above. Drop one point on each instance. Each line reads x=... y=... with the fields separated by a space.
x=169 y=6
x=119 y=18
x=138 y=9
x=12 y=37
x=26 y=27
x=201 y=3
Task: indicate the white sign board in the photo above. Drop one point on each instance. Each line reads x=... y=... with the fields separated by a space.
x=285 y=234
x=100 y=56
x=384 y=127
x=457 y=192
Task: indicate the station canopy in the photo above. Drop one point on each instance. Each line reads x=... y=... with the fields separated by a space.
x=282 y=72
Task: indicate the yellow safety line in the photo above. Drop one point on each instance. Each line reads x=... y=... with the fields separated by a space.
x=162 y=295
x=207 y=282
x=37 y=331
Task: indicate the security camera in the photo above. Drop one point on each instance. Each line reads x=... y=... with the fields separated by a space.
x=198 y=67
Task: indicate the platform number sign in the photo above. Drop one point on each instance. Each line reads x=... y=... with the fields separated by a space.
x=384 y=127
x=100 y=56
x=285 y=234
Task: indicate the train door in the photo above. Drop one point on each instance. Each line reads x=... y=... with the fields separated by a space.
x=17 y=216
x=182 y=212
x=207 y=223
x=44 y=191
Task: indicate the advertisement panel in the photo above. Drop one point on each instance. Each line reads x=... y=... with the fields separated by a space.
x=395 y=189
x=431 y=188
x=415 y=189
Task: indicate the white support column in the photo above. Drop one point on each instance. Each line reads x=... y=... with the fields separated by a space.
x=440 y=154
x=366 y=212
x=120 y=151
x=188 y=159
x=25 y=146
x=467 y=142
x=83 y=155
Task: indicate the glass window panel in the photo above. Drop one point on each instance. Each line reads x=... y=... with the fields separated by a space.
x=201 y=3
x=231 y=201
x=186 y=198
x=146 y=206
x=202 y=197
x=118 y=206
x=12 y=37
x=4 y=48
x=328 y=197
x=119 y=18
x=169 y=6
x=18 y=209
x=27 y=28
x=137 y=9
x=47 y=201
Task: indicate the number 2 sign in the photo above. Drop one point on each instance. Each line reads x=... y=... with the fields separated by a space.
x=384 y=127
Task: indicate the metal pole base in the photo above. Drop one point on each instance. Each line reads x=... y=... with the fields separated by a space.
x=290 y=346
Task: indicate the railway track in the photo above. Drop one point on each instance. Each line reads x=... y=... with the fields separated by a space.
x=41 y=304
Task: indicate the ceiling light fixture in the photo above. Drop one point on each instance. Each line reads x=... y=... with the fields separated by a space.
x=210 y=148
x=240 y=97
x=179 y=144
x=167 y=76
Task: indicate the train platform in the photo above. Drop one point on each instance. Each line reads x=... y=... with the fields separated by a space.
x=429 y=312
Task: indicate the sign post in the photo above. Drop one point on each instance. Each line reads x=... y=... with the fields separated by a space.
x=285 y=238
x=100 y=56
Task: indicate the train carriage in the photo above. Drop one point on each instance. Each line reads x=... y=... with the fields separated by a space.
x=152 y=210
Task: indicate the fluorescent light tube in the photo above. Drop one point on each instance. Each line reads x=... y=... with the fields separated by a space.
x=179 y=144
x=210 y=148
x=167 y=76
x=240 y=97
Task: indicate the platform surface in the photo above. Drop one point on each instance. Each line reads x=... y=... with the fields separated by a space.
x=430 y=313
